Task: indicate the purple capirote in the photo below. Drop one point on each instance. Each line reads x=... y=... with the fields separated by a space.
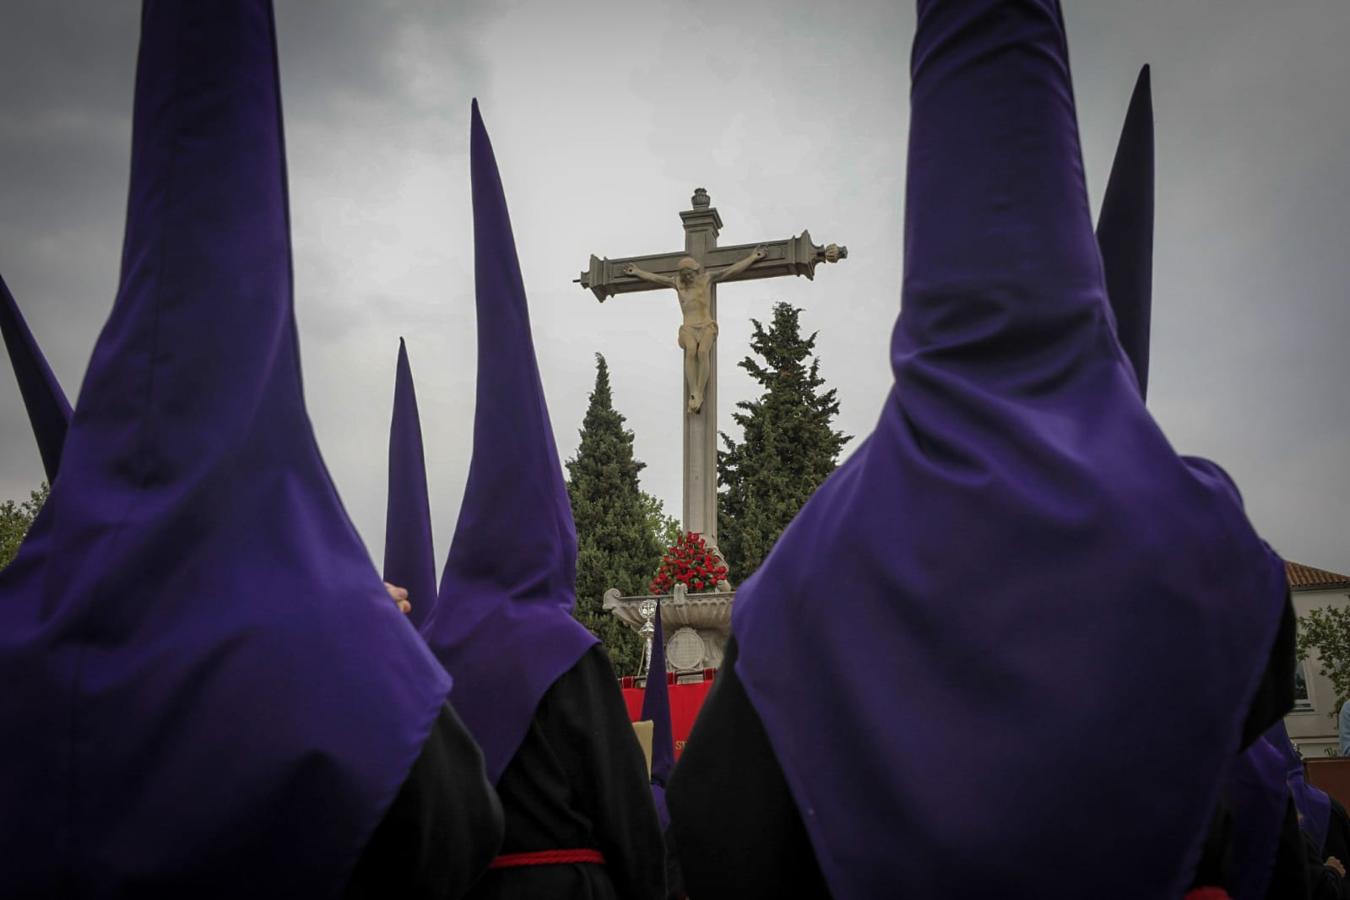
x=1314 y=805
x=503 y=625
x=1125 y=230
x=409 y=557
x=48 y=409
x=1258 y=795
x=1014 y=635
x=215 y=695
x=656 y=709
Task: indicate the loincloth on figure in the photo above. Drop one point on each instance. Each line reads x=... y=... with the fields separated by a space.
x=695 y=336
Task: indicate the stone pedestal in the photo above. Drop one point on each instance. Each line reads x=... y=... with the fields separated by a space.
x=696 y=626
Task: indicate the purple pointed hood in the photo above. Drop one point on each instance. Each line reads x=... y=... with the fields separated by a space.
x=409 y=560
x=656 y=709
x=1258 y=795
x=1125 y=230
x=215 y=694
x=1314 y=806
x=48 y=410
x=503 y=625
x=1015 y=562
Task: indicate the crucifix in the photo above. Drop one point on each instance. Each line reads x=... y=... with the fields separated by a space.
x=694 y=274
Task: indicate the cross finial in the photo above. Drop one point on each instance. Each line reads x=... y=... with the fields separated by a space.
x=700 y=199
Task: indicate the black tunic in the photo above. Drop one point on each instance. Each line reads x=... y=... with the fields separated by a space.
x=738 y=829
x=736 y=825
x=1215 y=868
x=442 y=829
x=1274 y=698
x=579 y=781
x=1324 y=883
x=1289 y=879
x=1337 y=843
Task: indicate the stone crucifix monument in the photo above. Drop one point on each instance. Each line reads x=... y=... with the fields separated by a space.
x=696 y=625
x=693 y=274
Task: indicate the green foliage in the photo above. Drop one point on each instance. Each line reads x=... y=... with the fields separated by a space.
x=617 y=524
x=666 y=528
x=15 y=520
x=788 y=447
x=1327 y=631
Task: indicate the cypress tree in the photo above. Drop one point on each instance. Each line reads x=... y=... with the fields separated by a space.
x=617 y=545
x=788 y=446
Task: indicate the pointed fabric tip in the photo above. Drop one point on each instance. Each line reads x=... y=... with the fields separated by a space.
x=656 y=708
x=48 y=409
x=1014 y=442
x=212 y=686
x=1125 y=230
x=503 y=625
x=409 y=557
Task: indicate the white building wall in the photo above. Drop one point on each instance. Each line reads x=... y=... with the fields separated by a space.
x=1313 y=727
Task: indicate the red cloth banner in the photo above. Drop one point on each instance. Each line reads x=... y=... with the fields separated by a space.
x=685 y=702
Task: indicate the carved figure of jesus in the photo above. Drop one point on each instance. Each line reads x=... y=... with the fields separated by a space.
x=692 y=284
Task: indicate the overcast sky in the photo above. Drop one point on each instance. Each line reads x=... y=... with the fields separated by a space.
x=606 y=115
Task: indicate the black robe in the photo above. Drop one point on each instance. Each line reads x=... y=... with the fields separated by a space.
x=1291 y=874
x=736 y=825
x=442 y=829
x=1337 y=843
x=738 y=829
x=1325 y=883
x=579 y=781
x=1274 y=698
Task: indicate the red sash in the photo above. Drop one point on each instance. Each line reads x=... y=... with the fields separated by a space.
x=553 y=858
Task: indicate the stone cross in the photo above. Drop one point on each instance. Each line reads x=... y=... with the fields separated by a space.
x=607 y=277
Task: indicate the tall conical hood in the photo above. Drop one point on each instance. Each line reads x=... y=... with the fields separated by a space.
x=48 y=410
x=1314 y=806
x=1015 y=550
x=1125 y=230
x=216 y=696
x=656 y=709
x=409 y=559
x=1258 y=795
x=503 y=625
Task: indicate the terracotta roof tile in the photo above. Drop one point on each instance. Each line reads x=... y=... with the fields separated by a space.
x=1306 y=578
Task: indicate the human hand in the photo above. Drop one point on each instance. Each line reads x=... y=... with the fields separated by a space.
x=1335 y=865
x=400 y=597
x=630 y=269
x=760 y=252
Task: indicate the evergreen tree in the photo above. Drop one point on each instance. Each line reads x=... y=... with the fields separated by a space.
x=666 y=528
x=787 y=449
x=16 y=519
x=617 y=544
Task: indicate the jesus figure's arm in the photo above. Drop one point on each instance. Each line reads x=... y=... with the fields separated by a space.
x=636 y=272
x=737 y=268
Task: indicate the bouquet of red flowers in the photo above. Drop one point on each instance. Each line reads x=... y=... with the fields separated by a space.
x=690 y=562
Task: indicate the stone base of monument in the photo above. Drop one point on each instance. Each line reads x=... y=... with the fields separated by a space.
x=696 y=626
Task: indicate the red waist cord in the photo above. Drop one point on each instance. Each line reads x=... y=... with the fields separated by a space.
x=551 y=858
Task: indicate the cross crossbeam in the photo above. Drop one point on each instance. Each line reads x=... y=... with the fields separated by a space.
x=792 y=256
